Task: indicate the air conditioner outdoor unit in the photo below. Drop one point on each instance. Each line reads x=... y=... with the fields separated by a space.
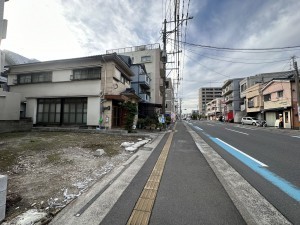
x=15 y=81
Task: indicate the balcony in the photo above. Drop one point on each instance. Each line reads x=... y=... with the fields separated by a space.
x=144 y=81
x=228 y=99
x=227 y=90
x=145 y=97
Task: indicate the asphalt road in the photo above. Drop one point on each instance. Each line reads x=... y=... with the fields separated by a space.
x=274 y=169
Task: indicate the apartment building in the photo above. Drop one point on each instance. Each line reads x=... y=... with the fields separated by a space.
x=141 y=80
x=74 y=92
x=214 y=109
x=150 y=56
x=207 y=94
x=232 y=100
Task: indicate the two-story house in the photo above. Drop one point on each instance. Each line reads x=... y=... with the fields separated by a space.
x=262 y=78
x=79 y=91
x=277 y=95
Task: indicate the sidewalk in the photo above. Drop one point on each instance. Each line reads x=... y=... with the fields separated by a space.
x=172 y=184
x=188 y=193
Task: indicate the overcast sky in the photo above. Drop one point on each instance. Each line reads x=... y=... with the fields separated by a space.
x=57 y=29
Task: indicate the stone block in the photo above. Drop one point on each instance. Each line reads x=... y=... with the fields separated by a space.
x=2 y=213
x=99 y=152
x=3 y=187
x=3 y=182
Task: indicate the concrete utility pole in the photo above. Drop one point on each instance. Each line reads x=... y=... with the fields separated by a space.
x=164 y=59
x=297 y=86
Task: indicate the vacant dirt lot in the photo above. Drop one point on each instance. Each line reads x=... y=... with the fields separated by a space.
x=46 y=170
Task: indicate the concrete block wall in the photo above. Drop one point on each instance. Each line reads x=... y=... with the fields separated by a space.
x=15 y=125
x=3 y=190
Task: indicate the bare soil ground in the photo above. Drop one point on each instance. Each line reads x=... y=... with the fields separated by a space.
x=46 y=170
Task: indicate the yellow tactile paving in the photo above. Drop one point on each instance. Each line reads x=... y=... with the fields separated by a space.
x=148 y=193
x=143 y=208
x=154 y=178
x=139 y=218
x=144 y=204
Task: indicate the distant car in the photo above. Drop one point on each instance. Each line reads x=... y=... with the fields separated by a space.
x=249 y=120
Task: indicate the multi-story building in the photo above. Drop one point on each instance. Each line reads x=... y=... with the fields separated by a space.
x=140 y=81
x=81 y=91
x=170 y=106
x=207 y=94
x=150 y=56
x=214 y=109
x=254 y=101
x=232 y=100
x=262 y=78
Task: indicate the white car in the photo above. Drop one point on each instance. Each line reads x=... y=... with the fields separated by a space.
x=249 y=120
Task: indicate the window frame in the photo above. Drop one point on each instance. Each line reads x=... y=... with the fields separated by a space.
x=34 y=78
x=90 y=73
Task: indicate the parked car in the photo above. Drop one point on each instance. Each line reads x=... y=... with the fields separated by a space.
x=249 y=120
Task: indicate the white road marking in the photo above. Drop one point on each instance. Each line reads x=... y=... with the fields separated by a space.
x=250 y=157
x=296 y=136
x=236 y=131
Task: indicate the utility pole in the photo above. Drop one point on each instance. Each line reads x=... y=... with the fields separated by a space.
x=297 y=87
x=164 y=59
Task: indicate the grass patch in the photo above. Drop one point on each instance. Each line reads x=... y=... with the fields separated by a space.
x=53 y=158
x=7 y=160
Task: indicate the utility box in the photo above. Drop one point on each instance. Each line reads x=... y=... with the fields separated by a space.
x=3 y=190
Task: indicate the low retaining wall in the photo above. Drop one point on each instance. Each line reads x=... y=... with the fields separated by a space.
x=15 y=125
x=3 y=188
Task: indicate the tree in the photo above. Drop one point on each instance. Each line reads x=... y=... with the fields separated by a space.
x=131 y=111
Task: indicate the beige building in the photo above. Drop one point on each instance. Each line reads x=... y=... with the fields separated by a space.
x=76 y=91
x=278 y=102
x=214 y=109
x=150 y=56
x=254 y=101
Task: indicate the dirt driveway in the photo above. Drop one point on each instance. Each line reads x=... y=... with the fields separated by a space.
x=46 y=170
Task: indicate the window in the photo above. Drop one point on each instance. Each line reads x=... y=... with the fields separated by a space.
x=75 y=111
x=49 y=111
x=267 y=97
x=62 y=111
x=250 y=102
x=243 y=87
x=146 y=59
x=30 y=78
x=86 y=74
x=280 y=94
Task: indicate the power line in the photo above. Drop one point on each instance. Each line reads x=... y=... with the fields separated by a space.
x=286 y=48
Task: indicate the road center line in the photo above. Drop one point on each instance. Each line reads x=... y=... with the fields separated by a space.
x=236 y=131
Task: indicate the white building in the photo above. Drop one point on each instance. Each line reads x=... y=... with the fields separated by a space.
x=79 y=91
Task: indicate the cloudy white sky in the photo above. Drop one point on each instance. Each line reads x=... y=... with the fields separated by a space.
x=56 y=29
